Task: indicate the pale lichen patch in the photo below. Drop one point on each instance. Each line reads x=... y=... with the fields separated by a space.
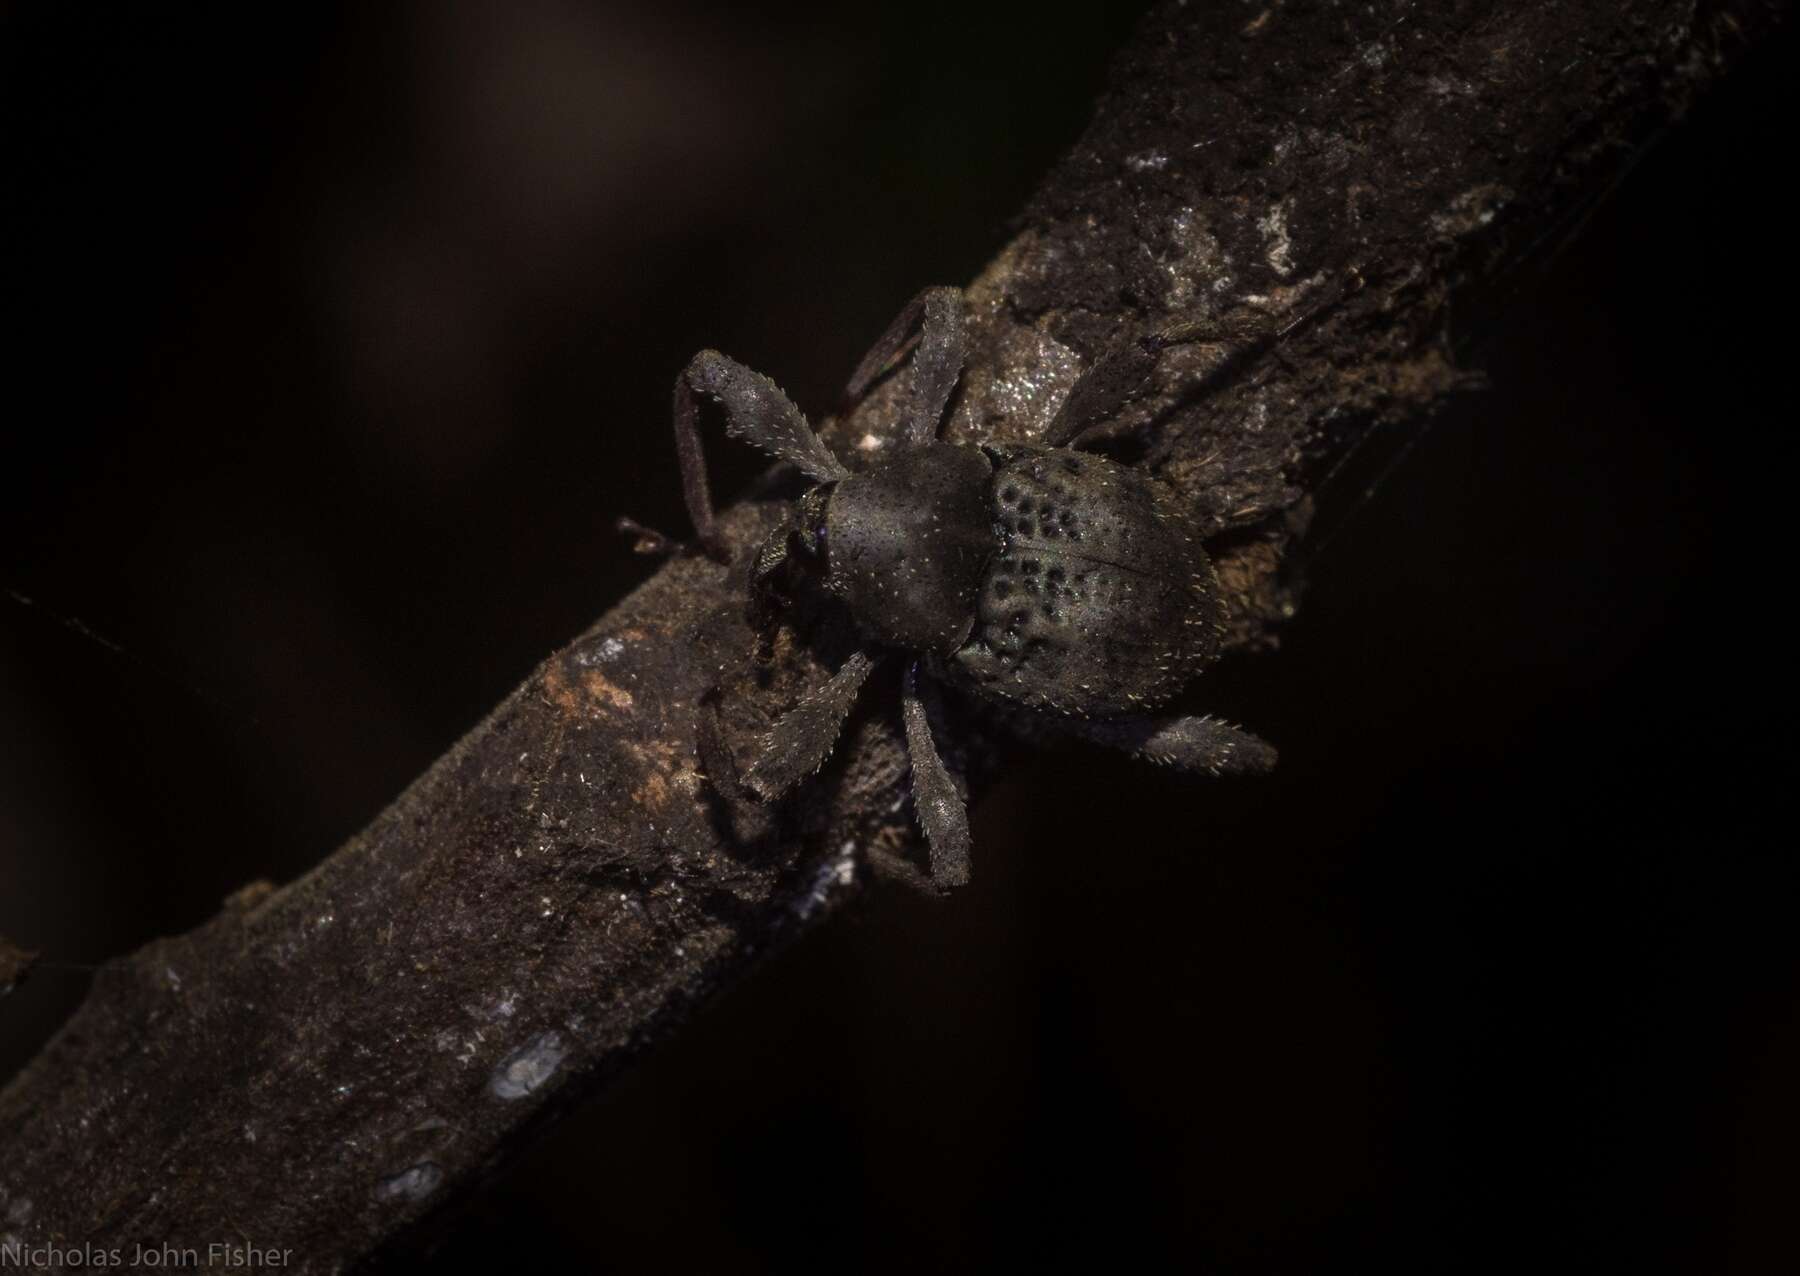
x=1274 y=226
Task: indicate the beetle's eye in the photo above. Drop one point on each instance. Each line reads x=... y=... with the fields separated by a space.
x=811 y=540
x=809 y=526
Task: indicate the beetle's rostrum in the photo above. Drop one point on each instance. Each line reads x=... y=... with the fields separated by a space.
x=1042 y=577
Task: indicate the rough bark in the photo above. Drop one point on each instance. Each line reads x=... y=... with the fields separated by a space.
x=325 y=1064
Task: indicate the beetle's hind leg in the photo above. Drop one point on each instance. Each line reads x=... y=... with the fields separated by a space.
x=1203 y=744
x=941 y=810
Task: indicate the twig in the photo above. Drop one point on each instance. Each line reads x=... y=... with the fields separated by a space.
x=322 y=1066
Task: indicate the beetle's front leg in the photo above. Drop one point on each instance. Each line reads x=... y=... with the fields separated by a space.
x=802 y=738
x=755 y=410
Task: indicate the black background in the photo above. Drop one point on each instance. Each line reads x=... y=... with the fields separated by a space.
x=336 y=338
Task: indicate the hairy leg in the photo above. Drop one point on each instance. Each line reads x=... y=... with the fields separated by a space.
x=803 y=738
x=1104 y=388
x=755 y=410
x=938 y=315
x=1202 y=744
x=940 y=807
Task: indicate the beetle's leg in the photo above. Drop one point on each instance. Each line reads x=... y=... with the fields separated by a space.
x=748 y=817
x=938 y=314
x=890 y=867
x=756 y=410
x=940 y=807
x=1103 y=389
x=1189 y=744
x=804 y=736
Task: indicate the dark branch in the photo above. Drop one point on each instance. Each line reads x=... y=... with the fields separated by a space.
x=322 y=1065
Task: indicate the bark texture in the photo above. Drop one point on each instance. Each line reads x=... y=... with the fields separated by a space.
x=325 y=1064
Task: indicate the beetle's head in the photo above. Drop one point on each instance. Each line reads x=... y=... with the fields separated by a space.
x=799 y=542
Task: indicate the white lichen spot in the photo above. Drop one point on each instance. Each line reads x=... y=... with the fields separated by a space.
x=1373 y=55
x=869 y=443
x=174 y=980
x=1197 y=256
x=1274 y=226
x=526 y=1069
x=505 y=1007
x=413 y=1184
x=835 y=874
x=1471 y=210
x=471 y=1048
x=1147 y=162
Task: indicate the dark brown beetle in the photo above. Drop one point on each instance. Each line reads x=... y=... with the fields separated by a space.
x=1044 y=577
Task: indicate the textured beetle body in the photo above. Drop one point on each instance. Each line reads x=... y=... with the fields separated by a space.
x=1044 y=577
x=1100 y=601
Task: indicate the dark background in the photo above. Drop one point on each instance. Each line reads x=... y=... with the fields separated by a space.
x=335 y=339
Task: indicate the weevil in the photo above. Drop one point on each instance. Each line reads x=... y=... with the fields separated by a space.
x=1043 y=577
